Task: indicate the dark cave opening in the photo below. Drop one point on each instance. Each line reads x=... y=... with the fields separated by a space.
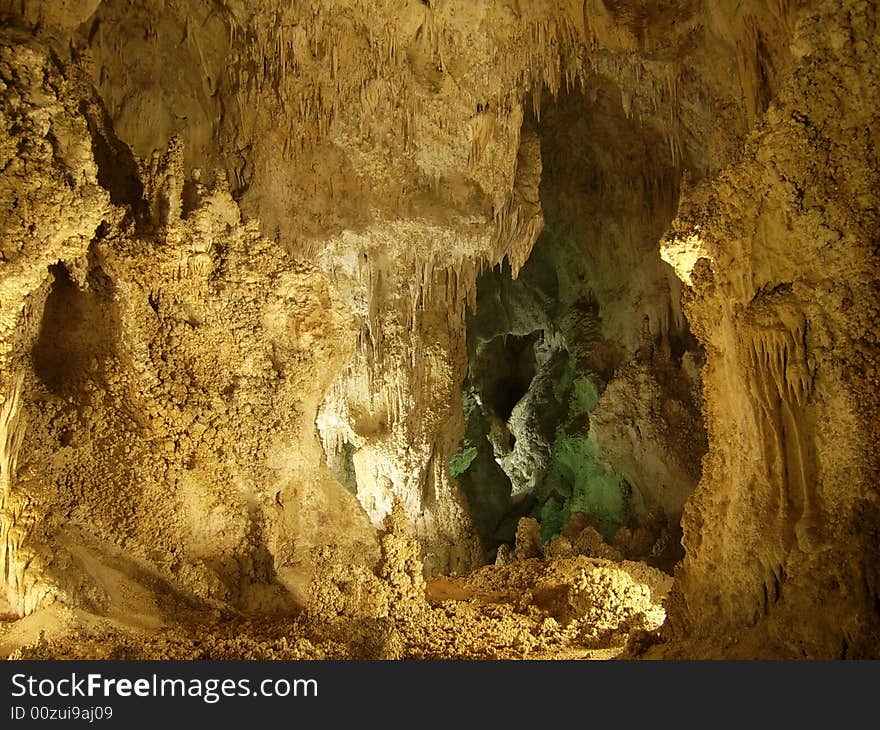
x=75 y=331
x=582 y=399
x=341 y=463
x=515 y=367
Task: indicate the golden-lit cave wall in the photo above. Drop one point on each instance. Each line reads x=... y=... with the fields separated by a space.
x=781 y=253
x=52 y=205
x=162 y=368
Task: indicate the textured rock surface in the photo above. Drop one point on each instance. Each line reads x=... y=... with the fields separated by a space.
x=576 y=607
x=785 y=299
x=239 y=244
x=163 y=369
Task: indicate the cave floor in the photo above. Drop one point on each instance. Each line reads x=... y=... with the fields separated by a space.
x=576 y=608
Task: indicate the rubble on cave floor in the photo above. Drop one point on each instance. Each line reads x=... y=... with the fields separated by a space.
x=572 y=607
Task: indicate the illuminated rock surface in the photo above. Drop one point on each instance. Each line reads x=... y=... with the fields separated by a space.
x=395 y=328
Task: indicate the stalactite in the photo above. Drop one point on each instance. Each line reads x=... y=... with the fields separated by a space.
x=782 y=379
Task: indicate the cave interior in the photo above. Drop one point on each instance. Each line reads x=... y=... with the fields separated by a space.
x=385 y=329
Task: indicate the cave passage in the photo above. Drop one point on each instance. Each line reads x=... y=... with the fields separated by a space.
x=582 y=394
x=75 y=331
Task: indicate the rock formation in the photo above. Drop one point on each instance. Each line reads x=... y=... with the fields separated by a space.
x=305 y=303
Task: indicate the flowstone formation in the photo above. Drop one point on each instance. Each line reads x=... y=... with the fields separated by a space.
x=305 y=303
x=781 y=254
